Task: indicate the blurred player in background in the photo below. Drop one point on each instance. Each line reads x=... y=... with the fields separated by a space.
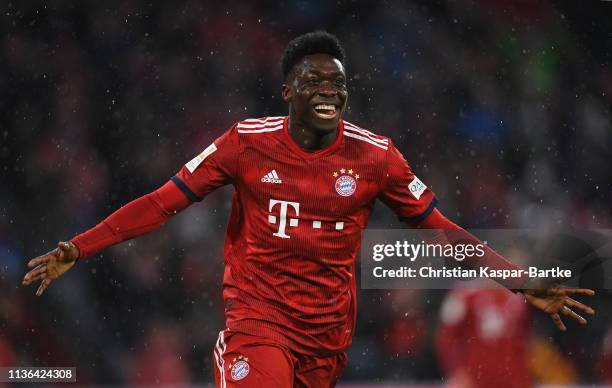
x=305 y=186
x=483 y=339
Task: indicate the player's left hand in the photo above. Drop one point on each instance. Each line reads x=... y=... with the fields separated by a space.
x=556 y=300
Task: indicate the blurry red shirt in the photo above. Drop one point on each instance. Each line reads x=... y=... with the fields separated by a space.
x=483 y=337
x=296 y=223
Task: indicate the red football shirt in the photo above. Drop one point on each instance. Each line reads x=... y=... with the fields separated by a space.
x=482 y=337
x=296 y=223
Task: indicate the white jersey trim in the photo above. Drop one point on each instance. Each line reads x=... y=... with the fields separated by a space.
x=366 y=139
x=259 y=125
x=264 y=120
x=260 y=130
x=268 y=124
x=219 y=350
x=366 y=133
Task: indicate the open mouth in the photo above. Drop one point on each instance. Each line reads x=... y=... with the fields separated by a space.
x=325 y=111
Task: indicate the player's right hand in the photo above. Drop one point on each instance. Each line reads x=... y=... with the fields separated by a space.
x=51 y=265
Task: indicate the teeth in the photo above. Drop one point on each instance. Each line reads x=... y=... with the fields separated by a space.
x=325 y=107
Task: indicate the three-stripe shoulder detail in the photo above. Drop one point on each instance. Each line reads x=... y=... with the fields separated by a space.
x=354 y=132
x=266 y=124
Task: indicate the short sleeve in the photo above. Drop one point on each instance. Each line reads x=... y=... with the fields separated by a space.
x=214 y=167
x=403 y=191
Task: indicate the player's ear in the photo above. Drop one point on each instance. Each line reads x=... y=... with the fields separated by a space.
x=286 y=93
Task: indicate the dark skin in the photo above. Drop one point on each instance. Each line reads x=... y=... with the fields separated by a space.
x=319 y=80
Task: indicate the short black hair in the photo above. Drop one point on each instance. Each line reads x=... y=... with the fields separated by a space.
x=317 y=42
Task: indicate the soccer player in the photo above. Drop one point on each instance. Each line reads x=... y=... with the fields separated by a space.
x=483 y=339
x=305 y=185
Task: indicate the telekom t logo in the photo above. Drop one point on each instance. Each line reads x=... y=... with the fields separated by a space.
x=282 y=224
x=293 y=222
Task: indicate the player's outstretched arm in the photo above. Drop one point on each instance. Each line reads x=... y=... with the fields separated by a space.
x=138 y=217
x=51 y=265
x=557 y=301
x=552 y=300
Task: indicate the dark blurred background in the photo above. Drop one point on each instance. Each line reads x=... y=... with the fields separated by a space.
x=502 y=107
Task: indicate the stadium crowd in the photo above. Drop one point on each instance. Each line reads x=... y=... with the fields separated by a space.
x=501 y=108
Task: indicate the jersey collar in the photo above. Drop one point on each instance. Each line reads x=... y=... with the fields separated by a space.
x=312 y=154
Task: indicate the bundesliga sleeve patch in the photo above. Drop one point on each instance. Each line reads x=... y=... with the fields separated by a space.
x=417 y=188
x=195 y=162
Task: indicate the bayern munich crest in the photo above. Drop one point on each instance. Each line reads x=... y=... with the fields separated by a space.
x=346 y=182
x=239 y=368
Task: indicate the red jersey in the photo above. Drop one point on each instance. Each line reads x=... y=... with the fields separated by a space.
x=483 y=338
x=296 y=223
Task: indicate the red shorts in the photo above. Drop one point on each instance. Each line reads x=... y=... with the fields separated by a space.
x=243 y=360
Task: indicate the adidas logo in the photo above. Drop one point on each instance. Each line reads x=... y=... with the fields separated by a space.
x=271 y=177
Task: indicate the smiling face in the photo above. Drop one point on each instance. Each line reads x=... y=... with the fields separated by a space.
x=316 y=92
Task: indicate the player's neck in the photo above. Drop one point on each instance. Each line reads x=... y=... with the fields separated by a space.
x=310 y=139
